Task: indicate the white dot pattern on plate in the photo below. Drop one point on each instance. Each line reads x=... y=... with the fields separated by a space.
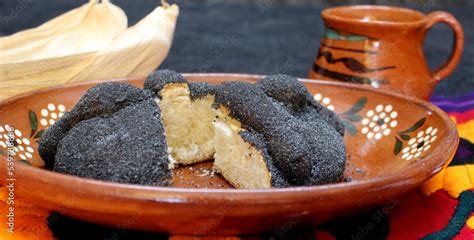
x=51 y=114
x=379 y=121
x=325 y=101
x=419 y=144
x=23 y=147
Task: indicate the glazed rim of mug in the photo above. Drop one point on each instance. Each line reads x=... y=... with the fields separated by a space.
x=370 y=14
x=124 y=190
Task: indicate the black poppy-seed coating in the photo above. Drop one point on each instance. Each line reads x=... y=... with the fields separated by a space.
x=255 y=139
x=292 y=94
x=201 y=89
x=315 y=110
x=311 y=115
x=159 y=79
x=330 y=150
x=285 y=89
x=249 y=104
x=254 y=109
x=102 y=100
x=127 y=147
x=297 y=148
x=317 y=143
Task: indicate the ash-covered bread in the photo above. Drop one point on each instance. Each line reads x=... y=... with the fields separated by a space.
x=296 y=98
x=187 y=115
x=157 y=80
x=103 y=100
x=128 y=147
x=305 y=155
x=269 y=134
x=104 y=137
x=201 y=89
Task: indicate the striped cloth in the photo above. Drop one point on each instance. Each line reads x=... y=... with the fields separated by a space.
x=444 y=208
x=441 y=209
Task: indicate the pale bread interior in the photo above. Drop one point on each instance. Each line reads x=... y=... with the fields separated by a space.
x=239 y=162
x=188 y=124
x=194 y=134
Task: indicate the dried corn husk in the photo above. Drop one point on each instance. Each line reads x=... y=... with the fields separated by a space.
x=87 y=29
x=17 y=78
x=134 y=52
x=64 y=21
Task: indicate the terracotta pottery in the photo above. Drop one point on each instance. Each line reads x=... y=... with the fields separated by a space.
x=382 y=47
x=394 y=144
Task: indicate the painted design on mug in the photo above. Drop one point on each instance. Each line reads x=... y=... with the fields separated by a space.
x=376 y=83
x=358 y=67
x=336 y=35
x=350 y=63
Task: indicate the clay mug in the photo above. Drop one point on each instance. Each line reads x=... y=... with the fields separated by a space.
x=383 y=47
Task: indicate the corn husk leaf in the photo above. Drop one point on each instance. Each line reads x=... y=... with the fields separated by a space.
x=63 y=21
x=136 y=52
x=17 y=78
x=85 y=29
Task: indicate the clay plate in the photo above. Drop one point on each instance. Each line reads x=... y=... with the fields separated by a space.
x=394 y=144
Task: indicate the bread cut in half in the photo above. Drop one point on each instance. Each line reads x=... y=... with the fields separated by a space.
x=263 y=135
x=299 y=152
x=187 y=117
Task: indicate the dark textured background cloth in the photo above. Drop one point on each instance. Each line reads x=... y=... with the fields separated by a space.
x=253 y=37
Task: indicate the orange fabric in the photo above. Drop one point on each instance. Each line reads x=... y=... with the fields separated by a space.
x=454 y=180
x=470 y=222
x=466 y=130
x=30 y=221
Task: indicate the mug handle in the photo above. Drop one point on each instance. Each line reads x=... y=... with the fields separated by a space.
x=447 y=67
